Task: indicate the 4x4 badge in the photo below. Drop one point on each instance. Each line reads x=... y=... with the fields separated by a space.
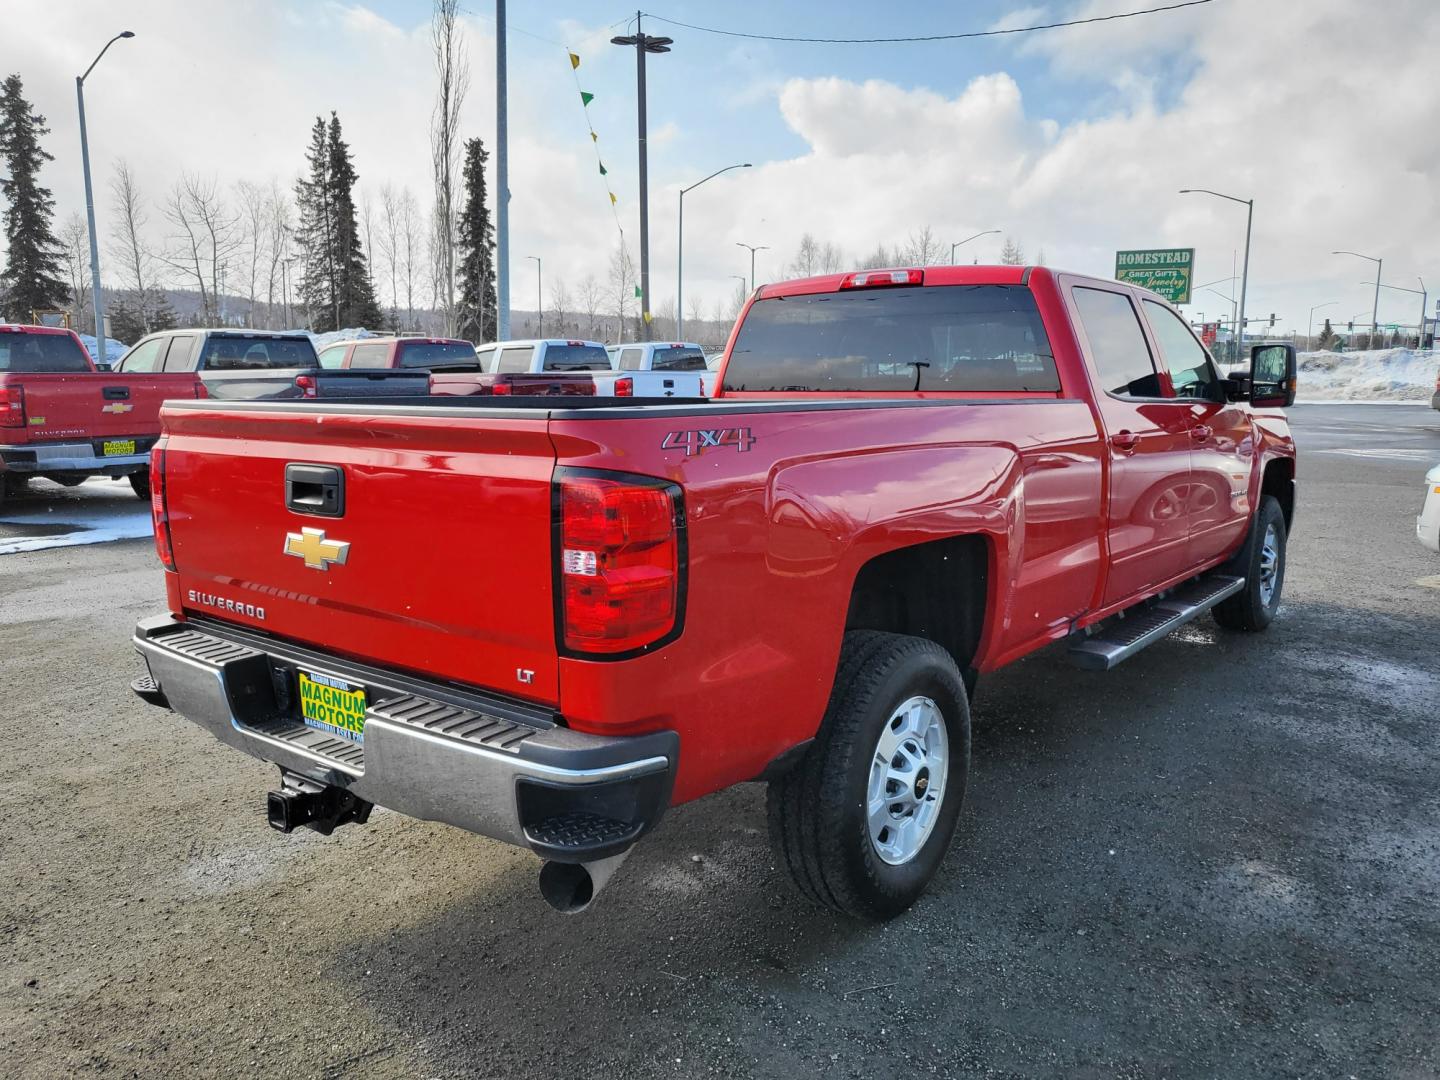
x=695 y=442
x=318 y=553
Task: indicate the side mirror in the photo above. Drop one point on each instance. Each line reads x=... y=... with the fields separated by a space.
x=1272 y=376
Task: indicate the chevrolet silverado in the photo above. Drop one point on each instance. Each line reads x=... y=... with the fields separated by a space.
x=547 y=623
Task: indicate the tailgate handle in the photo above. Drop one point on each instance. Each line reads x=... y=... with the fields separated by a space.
x=116 y=393
x=315 y=489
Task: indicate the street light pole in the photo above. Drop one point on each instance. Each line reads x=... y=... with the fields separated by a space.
x=1424 y=295
x=680 y=249
x=98 y=302
x=1239 y=328
x=644 y=43
x=753 y=248
x=539 y=298
x=1310 y=329
x=962 y=243
x=502 y=185
x=1375 y=307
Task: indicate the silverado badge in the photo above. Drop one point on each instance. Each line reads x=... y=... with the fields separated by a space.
x=318 y=553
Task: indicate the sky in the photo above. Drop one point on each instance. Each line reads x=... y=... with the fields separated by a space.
x=1075 y=141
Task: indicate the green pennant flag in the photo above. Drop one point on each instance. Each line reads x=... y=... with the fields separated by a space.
x=603 y=171
x=586 y=98
x=637 y=292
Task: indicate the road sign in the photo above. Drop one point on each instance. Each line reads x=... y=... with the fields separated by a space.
x=1162 y=270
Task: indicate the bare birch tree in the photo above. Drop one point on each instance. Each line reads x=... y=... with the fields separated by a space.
x=592 y=298
x=560 y=304
x=251 y=238
x=203 y=238
x=75 y=254
x=452 y=68
x=138 y=270
x=277 y=247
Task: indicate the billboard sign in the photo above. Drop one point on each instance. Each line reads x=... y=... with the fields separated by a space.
x=1161 y=270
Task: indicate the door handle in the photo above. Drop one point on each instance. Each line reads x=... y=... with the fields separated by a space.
x=115 y=393
x=1200 y=433
x=1125 y=441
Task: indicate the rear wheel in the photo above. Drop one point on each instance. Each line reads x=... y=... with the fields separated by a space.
x=1262 y=561
x=864 y=820
x=140 y=483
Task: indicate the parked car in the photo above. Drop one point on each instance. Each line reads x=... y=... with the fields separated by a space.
x=663 y=356
x=559 y=355
x=65 y=419
x=456 y=370
x=1427 y=525
x=238 y=364
x=908 y=479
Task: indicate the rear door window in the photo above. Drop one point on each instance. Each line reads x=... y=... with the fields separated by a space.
x=181 y=354
x=370 y=356
x=1191 y=374
x=630 y=359
x=678 y=358
x=1117 y=344
x=226 y=352
x=986 y=338
x=516 y=359
x=147 y=356
x=332 y=357
x=486 y=359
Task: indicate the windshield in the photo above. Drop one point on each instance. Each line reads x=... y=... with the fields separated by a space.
x=678 y=358
x=39 y=353
x=576 y=358
x=437 y=354
x=226 y=353
x=947 y=337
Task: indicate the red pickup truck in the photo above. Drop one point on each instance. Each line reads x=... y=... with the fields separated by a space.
x=64 y=419
x=547 y=623
x=456 y=369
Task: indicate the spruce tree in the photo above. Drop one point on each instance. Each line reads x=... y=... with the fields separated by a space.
x=477 y=308
x=31 y=279
x=355 y=292
x=315 y=234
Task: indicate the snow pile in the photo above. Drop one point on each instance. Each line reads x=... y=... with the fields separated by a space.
x=1368 y=375
x=113 y=349
x=334 y=337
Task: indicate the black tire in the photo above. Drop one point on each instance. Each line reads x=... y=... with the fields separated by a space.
x=140 y=484
x=817 y=816
x=1249 y=609
x=12 y=484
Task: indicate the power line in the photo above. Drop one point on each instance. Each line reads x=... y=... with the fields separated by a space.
x=928 y=37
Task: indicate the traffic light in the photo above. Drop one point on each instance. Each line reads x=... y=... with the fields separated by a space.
x=1272 y=318
x=1352 y=325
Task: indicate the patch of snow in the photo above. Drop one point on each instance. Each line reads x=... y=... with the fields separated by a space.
x=1368 y=375
x=336 y=336
x=114 y=350
x=96 y=512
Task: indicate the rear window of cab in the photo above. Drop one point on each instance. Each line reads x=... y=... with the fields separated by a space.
x=238 y=353
x=898 y=340
x=41 y=354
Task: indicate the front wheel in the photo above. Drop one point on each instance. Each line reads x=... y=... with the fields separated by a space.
x=1262 y=561
x=864 y=820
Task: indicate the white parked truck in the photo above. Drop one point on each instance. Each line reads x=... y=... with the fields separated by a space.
x=560 y=355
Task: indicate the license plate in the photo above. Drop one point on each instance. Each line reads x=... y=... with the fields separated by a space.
x=118 y=448
x=332 y=705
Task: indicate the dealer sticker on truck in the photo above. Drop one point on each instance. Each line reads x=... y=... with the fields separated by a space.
x=333 y=705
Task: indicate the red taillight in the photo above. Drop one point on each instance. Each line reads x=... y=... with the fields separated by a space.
x=306 y=383
x=159 y=511
x=619 y=563
x=500 y=388
x=870 y=279
x=12 y=406
x=625 y=387
x=200 y=391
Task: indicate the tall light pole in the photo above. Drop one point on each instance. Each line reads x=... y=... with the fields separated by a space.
x=1375 y=307
x=502 y=185
x=643 y=43
x=98 y=301
x=680 y=249
x=1310 y=329
x=539 y=298
x=1245 y=269
x=753 y=248
x=962 y=243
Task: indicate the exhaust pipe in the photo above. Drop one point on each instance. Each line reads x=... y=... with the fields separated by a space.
x=571 y=887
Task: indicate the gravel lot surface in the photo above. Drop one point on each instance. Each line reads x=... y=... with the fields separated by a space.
x=1222 y=859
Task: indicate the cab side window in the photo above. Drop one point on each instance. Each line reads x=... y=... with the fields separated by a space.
x=147 y=356
x=630 y=359
x=370 y=356
x=1117 y=344
x=1191 y=373
x=333 y=356
x=515 y=359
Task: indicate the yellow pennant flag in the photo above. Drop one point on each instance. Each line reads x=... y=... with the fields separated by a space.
x=594 y=137
x=612 y=198
x=574 y=61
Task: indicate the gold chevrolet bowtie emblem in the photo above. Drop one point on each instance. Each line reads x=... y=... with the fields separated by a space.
x=117 y=407
x=318 y=553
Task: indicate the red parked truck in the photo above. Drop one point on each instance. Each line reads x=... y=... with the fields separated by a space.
x=547 y=622
x=63 y=418
x=455 y=368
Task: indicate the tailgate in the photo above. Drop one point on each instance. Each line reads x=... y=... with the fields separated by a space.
x=89 y=405
x=438 y=560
